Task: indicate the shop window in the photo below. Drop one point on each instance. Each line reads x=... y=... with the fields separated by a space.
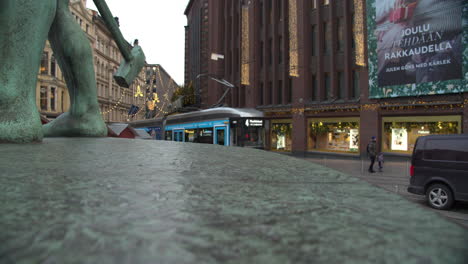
x=333 y=135
x=400 y=134
x=281 y=136
x=43 y=98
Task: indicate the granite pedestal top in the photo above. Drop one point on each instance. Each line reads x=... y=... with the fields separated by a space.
x=133 y=201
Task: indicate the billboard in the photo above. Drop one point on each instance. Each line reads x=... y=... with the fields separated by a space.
x=417 y=47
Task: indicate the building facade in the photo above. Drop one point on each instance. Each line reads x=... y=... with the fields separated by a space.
x=159 y=88
x=114 y=101
x=305 y=65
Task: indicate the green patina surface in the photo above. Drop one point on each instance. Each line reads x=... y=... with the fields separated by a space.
x=24 y=27
x=130 y=201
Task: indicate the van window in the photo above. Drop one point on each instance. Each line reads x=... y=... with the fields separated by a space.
x=446 y=149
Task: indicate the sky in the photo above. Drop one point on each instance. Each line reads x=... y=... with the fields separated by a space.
x=159 y=27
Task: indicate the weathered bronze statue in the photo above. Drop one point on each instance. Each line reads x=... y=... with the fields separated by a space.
x=24 y=27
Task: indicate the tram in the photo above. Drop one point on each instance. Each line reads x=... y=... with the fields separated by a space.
x=222 y=126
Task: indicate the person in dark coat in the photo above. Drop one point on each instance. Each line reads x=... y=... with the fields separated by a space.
x=372 y=153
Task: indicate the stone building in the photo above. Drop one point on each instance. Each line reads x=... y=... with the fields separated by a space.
x=115 y=102
x=304 y=63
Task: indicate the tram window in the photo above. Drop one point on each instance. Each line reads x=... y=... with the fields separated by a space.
x=169 y=135
x=220 y=137
x=190 y=135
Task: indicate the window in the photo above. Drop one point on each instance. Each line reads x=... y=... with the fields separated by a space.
x=314 y=39
x=280 y=92
x=261 y=54
x=340 y=35
x=314 y=4
x=314 y=88
x=53 y=66
x=326 y=37
x=289 y=91
x=326 y=2
x=261 y=14
x=53 y=95
x=43 y=98
x=356 y=88
x=45 y=63
x=353 y=37
x=328 y=91
x=280 y=53
x=446 y=149
x=270 y=51
x=261 y=92
x=341 y=85
x=62 y=102
x=270 y=93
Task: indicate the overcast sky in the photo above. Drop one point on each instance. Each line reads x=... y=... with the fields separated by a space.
x=158 y=25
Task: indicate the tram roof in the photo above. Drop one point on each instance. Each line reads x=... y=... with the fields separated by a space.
x=220 y=112
x=147 y=123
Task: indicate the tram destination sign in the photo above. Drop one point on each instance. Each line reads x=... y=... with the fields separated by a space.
x=417 y=47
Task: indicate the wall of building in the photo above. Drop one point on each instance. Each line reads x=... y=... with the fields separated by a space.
x=305 y=66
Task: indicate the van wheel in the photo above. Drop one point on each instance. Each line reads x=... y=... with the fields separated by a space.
x=439 y=196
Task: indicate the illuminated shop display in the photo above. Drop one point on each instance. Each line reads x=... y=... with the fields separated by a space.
x=400 y=133
x=281 y=135
x=333 y=134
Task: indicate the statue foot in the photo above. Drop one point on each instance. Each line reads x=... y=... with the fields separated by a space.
x=20 y=125
x=68 y=125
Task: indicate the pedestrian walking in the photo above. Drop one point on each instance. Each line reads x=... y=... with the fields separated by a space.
x=380 y=159
x=372 y=153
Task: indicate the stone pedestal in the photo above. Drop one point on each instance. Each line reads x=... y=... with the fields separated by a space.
x=134 y=201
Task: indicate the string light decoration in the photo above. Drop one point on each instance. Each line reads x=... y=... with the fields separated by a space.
x=245 y=68
x=293 y=40
x=359 y=37
x=388 y=106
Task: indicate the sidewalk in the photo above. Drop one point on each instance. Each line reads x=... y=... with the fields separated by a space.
x=394 y=178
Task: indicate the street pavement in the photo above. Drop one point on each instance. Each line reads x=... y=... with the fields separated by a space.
x=394 y=178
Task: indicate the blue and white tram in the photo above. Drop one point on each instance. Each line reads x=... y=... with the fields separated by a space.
x=213 y=126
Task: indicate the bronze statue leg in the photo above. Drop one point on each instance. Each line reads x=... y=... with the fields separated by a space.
x=24 y=25
x=73 y=51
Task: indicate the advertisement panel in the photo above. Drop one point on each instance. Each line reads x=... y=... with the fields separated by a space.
x=417 y=47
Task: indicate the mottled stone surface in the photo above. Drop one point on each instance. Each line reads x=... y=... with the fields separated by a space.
x=130 y=201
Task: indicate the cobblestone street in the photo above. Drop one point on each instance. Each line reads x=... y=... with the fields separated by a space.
x=394 y=178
